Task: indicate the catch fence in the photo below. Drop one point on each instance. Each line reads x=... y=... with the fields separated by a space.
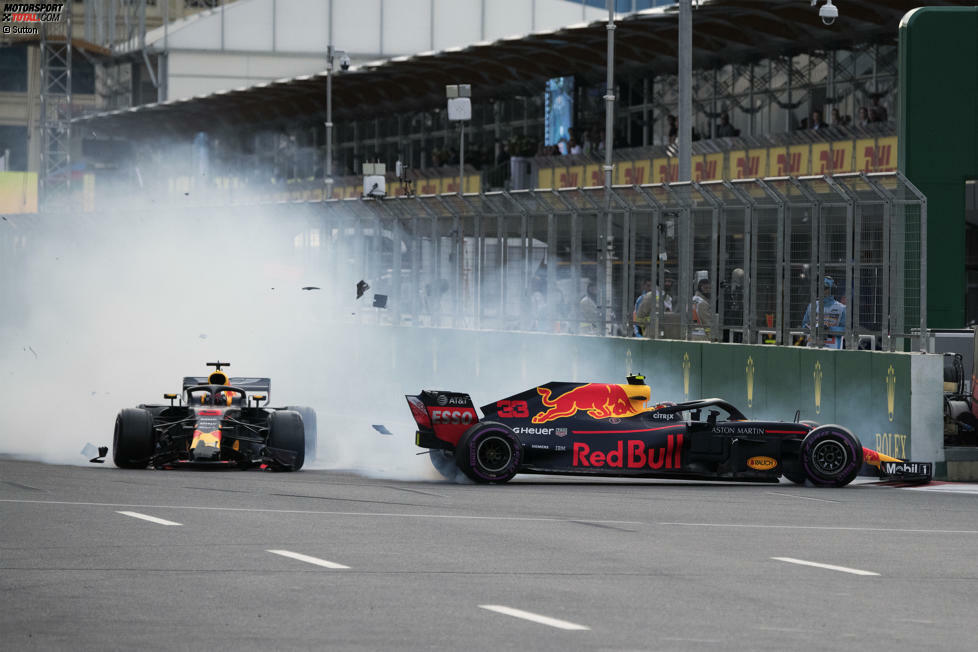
x=525 y=260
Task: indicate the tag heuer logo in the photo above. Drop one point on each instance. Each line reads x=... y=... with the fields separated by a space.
x=561 y=432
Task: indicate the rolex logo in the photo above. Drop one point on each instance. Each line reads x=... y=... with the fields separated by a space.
x=686 y=366
x=817 y=376
x=890 y=391
x=750 y=381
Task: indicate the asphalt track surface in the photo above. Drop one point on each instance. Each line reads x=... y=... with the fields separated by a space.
x=100 y=558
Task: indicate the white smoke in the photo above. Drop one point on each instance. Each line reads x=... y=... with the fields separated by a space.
x=112 y=309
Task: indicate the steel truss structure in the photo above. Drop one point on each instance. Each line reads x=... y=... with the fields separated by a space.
x=55 y=118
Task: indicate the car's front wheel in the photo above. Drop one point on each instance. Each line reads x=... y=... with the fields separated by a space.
x=132 y=440
x=831 y=456
x=489 y=452
x=309 y=428
x=285 y=432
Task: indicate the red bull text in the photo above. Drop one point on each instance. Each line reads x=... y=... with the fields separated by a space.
x=632 y=454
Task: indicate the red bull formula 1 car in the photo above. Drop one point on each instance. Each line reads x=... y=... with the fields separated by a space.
x=608 y=429
x=219 y=422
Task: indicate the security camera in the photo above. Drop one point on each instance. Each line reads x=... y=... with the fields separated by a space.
x=345 y=62
x=828 y=13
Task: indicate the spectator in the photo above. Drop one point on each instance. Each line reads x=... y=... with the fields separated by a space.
x=817 y=122
x=673 y=129
x=725 y=129
x=862 y=117
x=574 y=147
x=833 y=316
x=639 y=326
x=650 y=303
x=588 y=310
x=878 y=112
x=667 y=292
x=837 y=119
x=703 y=314
x=733 y=305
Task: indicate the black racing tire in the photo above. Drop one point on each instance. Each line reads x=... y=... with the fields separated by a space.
x=309 y=425
x=489 y=452
x=133 y=441
x=285 y=431
x=831 y=456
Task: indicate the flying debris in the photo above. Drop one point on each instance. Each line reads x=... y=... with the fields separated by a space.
x=382 y=430
x=96 y=455
x=380 y=301
x=203 y=336
x=362 y=287
x=31 y=349
x=310 y=287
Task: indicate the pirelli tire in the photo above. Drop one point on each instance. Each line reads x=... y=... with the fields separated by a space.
x=132 y=440
x=309 y=426
x=831 y=456
x=285 y=432
x=489 y=452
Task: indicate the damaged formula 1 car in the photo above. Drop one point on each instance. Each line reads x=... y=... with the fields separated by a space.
x=608 y=430
x=218 y=422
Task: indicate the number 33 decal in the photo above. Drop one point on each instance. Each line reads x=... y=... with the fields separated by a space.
x=512 y=409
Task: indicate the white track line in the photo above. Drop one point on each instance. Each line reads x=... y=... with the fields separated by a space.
x=841 y=569
x=821 y=500
x=819 y=527
x=536 y=618
x=326 y=513
x=151 y=519
x=309 y=560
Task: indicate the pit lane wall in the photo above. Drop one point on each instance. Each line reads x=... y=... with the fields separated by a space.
x=892 y=401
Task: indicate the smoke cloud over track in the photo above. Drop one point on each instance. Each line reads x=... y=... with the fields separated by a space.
x=108 y=310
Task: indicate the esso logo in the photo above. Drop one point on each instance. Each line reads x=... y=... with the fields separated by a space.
x=452 y=417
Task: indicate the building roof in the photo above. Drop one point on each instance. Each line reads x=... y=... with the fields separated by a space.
x=724 y=31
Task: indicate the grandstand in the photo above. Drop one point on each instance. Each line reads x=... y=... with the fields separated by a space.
x=764 y=67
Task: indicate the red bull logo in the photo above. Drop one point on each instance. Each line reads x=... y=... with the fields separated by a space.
x=599 y=400
x=633 y=454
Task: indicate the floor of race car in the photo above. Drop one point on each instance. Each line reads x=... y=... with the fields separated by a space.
x=101 y=558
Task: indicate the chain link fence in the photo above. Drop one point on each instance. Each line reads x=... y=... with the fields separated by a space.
x=817 y=261
x=820 y=261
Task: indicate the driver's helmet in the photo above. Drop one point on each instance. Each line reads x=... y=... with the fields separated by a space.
x=225 y=397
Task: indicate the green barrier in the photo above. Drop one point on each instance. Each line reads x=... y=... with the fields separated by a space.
x=891 y=401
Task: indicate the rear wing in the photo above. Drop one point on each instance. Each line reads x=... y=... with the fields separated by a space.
x=250 y=385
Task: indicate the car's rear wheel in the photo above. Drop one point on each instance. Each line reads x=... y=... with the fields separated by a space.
x=489 y=452
x=285 y=432
x=831 y=456
x=309 y=426
x=132 y=441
